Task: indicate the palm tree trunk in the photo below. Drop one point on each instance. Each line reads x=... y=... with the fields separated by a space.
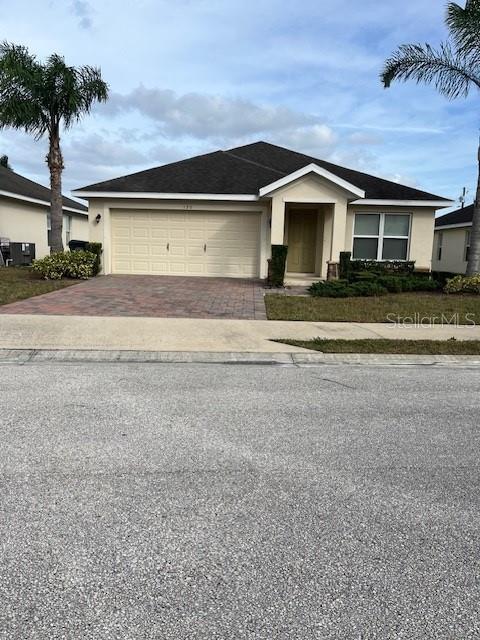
x=473 y=265
x=55 y=164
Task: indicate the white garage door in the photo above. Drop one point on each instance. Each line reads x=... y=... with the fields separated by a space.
x=186 y=243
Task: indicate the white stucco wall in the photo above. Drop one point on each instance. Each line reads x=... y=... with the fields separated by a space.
x=27 y=222
x=24 y=222
x=453 y=250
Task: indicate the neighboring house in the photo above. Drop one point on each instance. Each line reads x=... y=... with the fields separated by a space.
x=25 y=213
x=219 y=214
x=452 y=241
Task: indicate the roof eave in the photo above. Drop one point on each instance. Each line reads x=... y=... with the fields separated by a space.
x=247 y=197
x=431 y=204
x=16 y=196
x=455 y=225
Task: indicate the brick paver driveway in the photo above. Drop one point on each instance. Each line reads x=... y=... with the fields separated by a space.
x=154 y=296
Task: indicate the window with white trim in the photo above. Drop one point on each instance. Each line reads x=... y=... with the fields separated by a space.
x=439 y=245
x=467 y=245
x=381 y=236
x=49 y=228
x=67 y=223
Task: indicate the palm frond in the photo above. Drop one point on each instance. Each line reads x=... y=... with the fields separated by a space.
x=19 y=88
x=39 y=98
x=451 y=73
x=464 y=25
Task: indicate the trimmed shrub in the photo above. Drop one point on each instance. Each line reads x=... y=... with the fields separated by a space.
x=397 y=284
x=344 y=265
x=277 y=264
x=463 y=284
x=342 y=289
x=96 y=248
x=369 y=284
x=393 y=284
x=363 y=276
x=68 y=264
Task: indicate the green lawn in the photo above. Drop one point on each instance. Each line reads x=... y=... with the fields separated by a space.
x=407 y=347
x=388 y=308
x=18 y=283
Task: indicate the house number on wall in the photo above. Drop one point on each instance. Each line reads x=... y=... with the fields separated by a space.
x=188 y=206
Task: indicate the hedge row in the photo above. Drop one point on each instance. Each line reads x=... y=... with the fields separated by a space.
x=377 y=286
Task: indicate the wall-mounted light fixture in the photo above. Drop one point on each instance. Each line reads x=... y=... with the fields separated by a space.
x=98 y=217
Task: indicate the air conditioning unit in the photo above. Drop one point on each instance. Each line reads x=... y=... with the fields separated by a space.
x=22 y=253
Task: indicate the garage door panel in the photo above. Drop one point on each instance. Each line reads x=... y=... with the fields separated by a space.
x=175 y=242
x=195 y=250
x=159 y=233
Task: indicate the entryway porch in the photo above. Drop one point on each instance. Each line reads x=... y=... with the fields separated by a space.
x=308 y=237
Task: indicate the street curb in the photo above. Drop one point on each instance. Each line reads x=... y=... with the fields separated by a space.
x=302 y=359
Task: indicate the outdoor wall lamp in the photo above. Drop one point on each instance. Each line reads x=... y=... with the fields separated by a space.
x=98 y=217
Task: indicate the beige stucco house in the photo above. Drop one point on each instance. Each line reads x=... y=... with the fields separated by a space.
x=25 y=217
x=452 y=241
x=219 y=215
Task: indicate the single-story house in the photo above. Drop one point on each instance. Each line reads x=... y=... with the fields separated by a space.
x=25 y=213
x=452 y=240
x=219 y=214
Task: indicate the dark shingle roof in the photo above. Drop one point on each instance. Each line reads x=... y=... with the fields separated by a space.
x=18 y=185
x=460 y=216
x=244 y=170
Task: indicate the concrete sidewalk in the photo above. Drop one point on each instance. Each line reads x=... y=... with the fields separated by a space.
x=192 y=335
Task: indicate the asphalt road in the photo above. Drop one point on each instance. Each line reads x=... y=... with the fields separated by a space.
x=143 y=501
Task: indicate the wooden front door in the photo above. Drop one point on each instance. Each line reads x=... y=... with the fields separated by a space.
x=302 y=241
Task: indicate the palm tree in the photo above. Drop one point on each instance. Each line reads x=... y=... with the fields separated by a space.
x=41 y=99
x=454 y=69
x=4 y=162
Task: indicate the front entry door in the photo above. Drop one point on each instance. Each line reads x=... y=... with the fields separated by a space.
x=302 y=241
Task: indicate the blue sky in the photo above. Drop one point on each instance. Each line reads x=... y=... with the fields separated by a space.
x=192 y=76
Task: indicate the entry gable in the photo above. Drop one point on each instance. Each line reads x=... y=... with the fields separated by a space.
x=313 y=169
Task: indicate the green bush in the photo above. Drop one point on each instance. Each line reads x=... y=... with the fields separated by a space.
x=96 y=248
x=397 y=284
x=67 y=264
x=363 y=276
x=393 y=284
x=276 y=265
x=342 y=289
x=344 y=265
x=368 y=284
x=463 y=284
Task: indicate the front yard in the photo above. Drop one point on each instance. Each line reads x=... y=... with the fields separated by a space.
x=18 y=283
x=461 y=309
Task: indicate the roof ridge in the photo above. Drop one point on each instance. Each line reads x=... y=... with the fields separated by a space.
x=257 y=164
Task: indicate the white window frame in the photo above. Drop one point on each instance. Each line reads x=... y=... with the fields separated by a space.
x=466 y=249
x=439 y=246
x=67 y=222
x=49 y=227
x=381 y=237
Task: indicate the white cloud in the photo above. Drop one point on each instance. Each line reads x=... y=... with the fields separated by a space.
x=205 y=116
